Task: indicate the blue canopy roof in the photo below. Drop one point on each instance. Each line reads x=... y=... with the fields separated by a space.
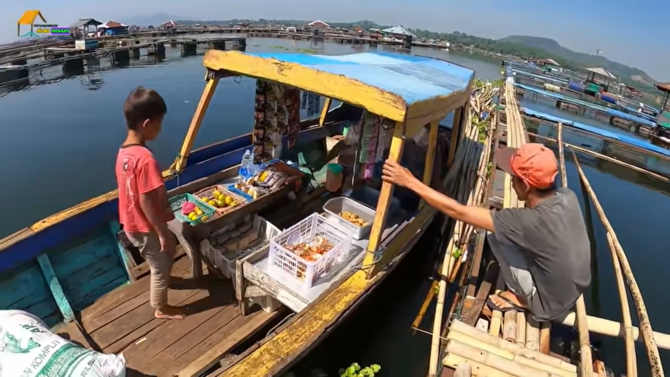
x=413 y=78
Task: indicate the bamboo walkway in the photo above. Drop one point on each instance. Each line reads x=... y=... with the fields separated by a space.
x=516 y=345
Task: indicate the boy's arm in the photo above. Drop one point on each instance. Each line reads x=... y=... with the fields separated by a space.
x=152 y=196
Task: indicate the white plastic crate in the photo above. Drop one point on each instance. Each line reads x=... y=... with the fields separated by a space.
x=303 y=271
x=225 y=260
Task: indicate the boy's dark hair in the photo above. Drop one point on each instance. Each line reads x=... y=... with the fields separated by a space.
x=143 y=104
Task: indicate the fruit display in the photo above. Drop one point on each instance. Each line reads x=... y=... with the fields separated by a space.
x=218 y=199
x=262 y=183
x=312 y=250
x=192 y=212
x=354 y=219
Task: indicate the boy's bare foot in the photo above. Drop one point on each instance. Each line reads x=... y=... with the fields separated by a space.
x=170 y=312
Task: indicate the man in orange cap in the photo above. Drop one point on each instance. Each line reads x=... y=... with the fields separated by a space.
x=543 y=249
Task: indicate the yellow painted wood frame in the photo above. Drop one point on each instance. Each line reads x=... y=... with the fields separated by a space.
x=430 y=156
x=324 y=111
x=200 y=111
x=385 y=195
x=455 y=133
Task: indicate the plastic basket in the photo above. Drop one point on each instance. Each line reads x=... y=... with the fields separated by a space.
x=303 y=271
x=177 y=201
x=334 y=207
x=207 y=193
x=225 y=260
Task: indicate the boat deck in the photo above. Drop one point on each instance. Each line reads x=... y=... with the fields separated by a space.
x=124 y=322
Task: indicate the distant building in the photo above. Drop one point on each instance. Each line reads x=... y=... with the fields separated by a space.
x=398 y=32
x=318 y=25
x=169 y=25
x=112 y=28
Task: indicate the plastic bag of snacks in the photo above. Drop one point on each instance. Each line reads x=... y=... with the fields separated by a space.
x=29 y=348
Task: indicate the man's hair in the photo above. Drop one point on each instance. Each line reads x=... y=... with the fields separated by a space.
x=143 y=104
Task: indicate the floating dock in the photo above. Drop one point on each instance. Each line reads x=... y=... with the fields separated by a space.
x=120 y=50
x=623 y=120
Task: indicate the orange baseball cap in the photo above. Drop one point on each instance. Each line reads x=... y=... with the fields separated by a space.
x=534 y=163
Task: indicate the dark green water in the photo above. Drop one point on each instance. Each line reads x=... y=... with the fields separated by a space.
x=60 y=140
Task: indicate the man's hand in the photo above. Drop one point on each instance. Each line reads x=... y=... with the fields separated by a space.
x=394 y=173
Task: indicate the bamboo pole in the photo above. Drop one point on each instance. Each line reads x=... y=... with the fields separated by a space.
x=618 y=253
x=509 y=326
x=586 y=363
x=515 y=367
x=471 y=193
x=631 y=359
x=521 y=329
x=480 y=339
x=532 y=334
x=615 y=329
x=545 y=338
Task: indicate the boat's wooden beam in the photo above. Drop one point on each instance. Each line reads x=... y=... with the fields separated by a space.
x=455 y=134
x=324 y=111
x=56 y=288
x=126 y=258
x=371 y=261
x=196 y=122
x=430 y=156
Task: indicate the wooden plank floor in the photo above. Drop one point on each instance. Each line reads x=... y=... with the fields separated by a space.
x=124 y=322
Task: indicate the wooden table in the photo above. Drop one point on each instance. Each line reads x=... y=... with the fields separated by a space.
x=190 y=236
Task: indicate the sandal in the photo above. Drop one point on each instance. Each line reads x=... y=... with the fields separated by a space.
x=513 y=306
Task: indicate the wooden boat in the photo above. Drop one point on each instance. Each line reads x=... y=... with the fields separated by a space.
x=72 y=269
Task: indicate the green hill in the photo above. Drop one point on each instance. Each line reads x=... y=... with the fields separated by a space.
x=582 y=59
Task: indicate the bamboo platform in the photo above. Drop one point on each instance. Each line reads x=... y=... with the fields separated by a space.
x=515 y=345
x=123 y=322
x=512 y=344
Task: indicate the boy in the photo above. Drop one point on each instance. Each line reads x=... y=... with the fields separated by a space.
x=143 y=207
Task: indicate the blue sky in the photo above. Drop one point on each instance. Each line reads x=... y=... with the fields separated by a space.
x=624 y=30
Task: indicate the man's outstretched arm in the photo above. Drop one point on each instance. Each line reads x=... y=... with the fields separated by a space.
x=475 y=216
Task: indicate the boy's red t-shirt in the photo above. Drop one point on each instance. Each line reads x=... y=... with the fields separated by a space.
x=137 y=173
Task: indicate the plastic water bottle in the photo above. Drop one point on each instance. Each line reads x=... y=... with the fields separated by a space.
x=246 y=166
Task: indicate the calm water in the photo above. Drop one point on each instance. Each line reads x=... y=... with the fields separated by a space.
x=59 y=143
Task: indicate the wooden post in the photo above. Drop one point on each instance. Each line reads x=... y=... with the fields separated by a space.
x=324 y=111
x=196 y=122
x=430 y=153
x=430 y=156
x=383 y=204
x=455 y=133
x=586 y=363
x=620 y=255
